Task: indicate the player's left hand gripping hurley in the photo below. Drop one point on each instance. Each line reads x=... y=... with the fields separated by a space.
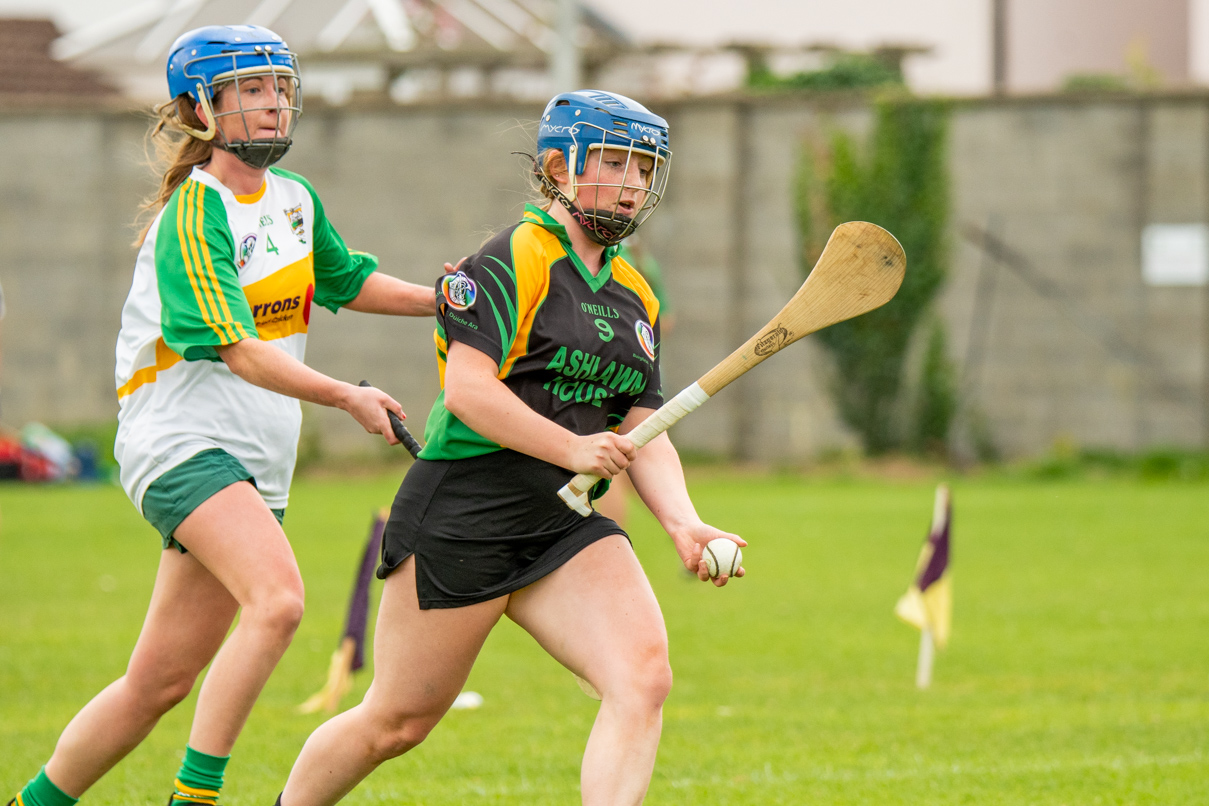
x=860 y=269
x=401 y=432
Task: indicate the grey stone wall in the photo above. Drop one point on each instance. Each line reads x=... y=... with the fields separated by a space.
x=1065 y=342
x=1094 y=357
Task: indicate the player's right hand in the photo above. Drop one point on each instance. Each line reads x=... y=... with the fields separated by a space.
x=368 y=406
x=605 y=454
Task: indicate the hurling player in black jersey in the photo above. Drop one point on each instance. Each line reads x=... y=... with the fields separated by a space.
x=548 y=349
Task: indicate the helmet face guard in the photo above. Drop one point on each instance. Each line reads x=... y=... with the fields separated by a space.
x=612 y=134
x=265 y=151
x=211 y=60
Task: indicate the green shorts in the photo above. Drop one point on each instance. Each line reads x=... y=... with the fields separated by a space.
x=173 y=496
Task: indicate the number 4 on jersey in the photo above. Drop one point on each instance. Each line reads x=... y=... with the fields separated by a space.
x=271 y=247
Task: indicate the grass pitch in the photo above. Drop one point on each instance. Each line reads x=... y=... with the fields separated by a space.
x=1078 y=670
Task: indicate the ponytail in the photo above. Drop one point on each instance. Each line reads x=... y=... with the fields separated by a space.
x=176 y=155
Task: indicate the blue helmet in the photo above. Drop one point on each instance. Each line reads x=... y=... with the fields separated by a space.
x=205 y=59
x=587 y=123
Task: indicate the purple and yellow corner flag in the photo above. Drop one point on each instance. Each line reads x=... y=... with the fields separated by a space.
x=928 y=603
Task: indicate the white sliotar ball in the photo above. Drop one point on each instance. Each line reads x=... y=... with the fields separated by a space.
x=722 y=556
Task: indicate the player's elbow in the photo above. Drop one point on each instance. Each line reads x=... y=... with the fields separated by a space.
x=469 y=379
x=457 y=397
x=238 y=356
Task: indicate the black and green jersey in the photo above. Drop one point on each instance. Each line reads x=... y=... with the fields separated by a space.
x=579 y=350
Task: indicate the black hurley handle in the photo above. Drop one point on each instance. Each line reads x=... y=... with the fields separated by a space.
x=401 y=432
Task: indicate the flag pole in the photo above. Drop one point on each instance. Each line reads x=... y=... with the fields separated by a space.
x=927 y=604
x=923 y=669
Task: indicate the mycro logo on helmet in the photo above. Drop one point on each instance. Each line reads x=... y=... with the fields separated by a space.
x=651 y=130
x=546 y=128
x=459 y=290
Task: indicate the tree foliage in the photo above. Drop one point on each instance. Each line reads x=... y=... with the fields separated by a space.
x=846 y=71
x=937 y=395
x=898 y=181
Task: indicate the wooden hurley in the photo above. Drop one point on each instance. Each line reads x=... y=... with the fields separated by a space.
x=860 y=269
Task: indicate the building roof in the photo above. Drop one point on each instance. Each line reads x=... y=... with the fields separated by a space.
x=144 y=32
x=341 y=44
x=27 y=70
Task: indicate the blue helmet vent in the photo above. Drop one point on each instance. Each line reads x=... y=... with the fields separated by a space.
x=605 y=98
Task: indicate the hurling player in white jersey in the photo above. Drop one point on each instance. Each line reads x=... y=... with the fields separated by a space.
x=209 y=375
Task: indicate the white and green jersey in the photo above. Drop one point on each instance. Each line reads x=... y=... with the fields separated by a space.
x=216 y=268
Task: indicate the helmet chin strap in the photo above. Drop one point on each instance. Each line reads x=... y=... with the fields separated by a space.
x=595 y=228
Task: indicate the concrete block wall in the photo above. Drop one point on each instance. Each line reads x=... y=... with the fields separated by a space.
x=1080 y=349
x=1096 y=357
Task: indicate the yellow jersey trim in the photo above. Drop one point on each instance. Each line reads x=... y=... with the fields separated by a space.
x=228 y=323
x=534 y=251
x=184 y=235
x=252 y=198
x=629 y=277
x=165 y=357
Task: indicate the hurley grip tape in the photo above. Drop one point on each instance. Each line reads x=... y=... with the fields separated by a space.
x=401 y=433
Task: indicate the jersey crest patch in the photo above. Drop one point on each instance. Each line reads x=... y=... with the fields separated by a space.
x=294 y=214
x=646 y=337
x=459 y=290
x=246 y=248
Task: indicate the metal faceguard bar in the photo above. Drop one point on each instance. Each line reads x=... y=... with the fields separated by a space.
x=624 y=225
x=205 y=92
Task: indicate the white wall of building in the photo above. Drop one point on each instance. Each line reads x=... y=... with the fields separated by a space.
x=958 y=31
x=1198 y=41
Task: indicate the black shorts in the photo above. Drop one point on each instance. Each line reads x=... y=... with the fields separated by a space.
x=484 y=527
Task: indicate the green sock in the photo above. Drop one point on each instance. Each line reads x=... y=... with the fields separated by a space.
x=42 y=792
x=200 y=778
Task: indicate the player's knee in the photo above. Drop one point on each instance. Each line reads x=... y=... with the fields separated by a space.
x=401 y=734
x=156 y=694
x=645 y=680
x=174 y=690
x=279 y=614
x=654 y=684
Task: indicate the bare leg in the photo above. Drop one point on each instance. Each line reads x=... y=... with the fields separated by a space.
x=421 y=661
x=235 y=547
x=237 y=538
x=188 y=618
x=598 y=616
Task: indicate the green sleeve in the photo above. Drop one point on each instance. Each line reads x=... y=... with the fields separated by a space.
x=203 y=304
x=339 y=271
